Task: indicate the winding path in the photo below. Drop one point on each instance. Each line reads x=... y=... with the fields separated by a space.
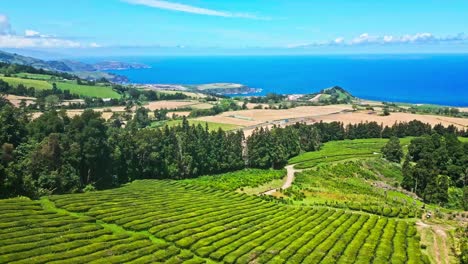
x=289 y=179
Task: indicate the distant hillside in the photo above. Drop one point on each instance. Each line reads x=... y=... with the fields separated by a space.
x=332 y=95
x=84 y=70
x=14 y=58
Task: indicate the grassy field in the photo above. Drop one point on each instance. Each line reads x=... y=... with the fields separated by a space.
x=351 y=174
x=154 y=221
x=212 y=126
x=38 y=84
x=250 y=178
x=343 y=150
x=34 y=76
x=366 y=185
x=74 y=88
x=87 y=90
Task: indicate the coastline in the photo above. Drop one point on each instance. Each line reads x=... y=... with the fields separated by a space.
x=381 y=78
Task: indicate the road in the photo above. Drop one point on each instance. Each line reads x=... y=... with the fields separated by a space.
x=288 y=182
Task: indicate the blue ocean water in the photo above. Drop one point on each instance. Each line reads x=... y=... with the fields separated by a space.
x=435 y=79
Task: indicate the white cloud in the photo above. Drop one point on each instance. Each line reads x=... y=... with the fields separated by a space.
x=191 y=9
x=16 y=41
x=34 y=39
x=94 y=45
x=339 y=40
x=5 y=27
x=31 y=33
x=408 y=39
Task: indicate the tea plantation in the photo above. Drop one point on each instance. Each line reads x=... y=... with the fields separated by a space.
x=152 y=221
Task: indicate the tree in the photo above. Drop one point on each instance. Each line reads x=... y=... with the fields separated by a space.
x=392 y=151
x=12 y=127
x=52 y=101
x=386 y=111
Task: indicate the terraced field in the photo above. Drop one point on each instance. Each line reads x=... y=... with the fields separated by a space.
x=154 y=221
x=343 y=150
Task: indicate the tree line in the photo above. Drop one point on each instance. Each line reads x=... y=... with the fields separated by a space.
x=273 y=148
x=58 y=154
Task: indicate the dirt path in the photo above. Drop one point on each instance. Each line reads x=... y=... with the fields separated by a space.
x=434 y=236
x=289 y=179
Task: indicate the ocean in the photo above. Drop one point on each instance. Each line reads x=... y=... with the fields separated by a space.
x=430 y=79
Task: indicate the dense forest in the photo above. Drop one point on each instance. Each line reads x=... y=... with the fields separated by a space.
x=434 y=164
x=57 y=154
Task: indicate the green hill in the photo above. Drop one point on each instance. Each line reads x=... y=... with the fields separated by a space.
x=332 y=95
x=84 y=70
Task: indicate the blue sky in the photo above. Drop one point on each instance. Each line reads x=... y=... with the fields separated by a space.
x=239 y=26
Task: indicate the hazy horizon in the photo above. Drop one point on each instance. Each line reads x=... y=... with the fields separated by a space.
x=208 y=27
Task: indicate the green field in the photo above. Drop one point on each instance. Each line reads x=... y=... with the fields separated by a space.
x=34 y=76
x=232 y=181
x=343 y=150
x=74 y=88
x=344 y=174
x=38 y=84
x=212 y=126
x=350 y=185
x=88 y=90
x=152 y=221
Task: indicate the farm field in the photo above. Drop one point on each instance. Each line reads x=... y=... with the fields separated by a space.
x=16 y=100
x=351 y=174
x=38 y=84
x=232 y=181
x=84 y=90
x=363 y=116
x=178 y=222
x=191 y=94
x=34 y=76
x=330 y=113
x=258 y=116
x=212 y=126
x=365 y=185
x=169 y=104
x=88 y=90
x=342 y=150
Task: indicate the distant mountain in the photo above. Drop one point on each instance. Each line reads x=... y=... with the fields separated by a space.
x=14 y=58
x=117 y=65
x=73 y=66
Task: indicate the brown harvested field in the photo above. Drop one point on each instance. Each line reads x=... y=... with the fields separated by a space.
x=169 y=104
x=181 y=113
x=16 y=100
x=201 y=106
x=357 y=117
x=259 y=116
x=252 y=105
x=228 y=120
x=363 y=116
x=74 y=101
x=106 y=115
x=191 y=94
